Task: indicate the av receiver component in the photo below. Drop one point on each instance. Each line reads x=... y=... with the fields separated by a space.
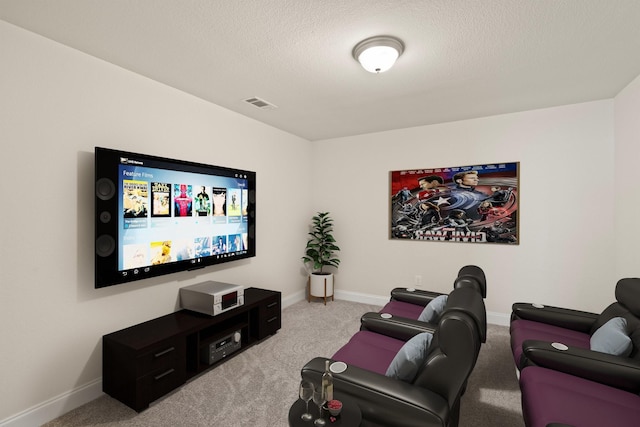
x=221 y=348
x=211 y=298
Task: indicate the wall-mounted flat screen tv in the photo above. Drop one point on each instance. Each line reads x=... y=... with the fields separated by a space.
x=157 y=216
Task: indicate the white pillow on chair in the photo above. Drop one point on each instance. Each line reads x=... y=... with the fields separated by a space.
x=433 y=310
x=612 y=338
x=411 y=356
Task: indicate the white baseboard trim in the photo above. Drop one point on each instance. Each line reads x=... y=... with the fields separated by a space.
x=56 y=406
x=292 y=299
x=60 y=405
x=501 y=319
x=363 y=298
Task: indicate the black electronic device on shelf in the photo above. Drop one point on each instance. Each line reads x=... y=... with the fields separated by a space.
x=157 y=216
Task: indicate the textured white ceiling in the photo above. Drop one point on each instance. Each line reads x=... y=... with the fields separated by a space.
x=463 y=58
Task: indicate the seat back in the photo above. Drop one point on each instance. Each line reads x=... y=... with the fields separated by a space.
x=455 y=346
x=472 y=275
x=474 y=306
x=627 y=305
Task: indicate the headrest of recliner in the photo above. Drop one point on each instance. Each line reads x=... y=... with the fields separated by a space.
x=628 y=294
x=470 y=282
x=471 y=276
x=471 y=270
x=468 y=300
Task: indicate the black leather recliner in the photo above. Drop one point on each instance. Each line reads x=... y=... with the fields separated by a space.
x=468 y=276
x=406 y=304
x=578 y=359
x=432 y=399
x=537 y=330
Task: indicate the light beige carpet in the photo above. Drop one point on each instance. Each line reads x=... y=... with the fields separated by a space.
x=257 y=387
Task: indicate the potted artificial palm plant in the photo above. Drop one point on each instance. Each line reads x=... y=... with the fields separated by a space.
x=320 y=253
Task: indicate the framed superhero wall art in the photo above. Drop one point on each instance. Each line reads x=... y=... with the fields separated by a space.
x=471 y=204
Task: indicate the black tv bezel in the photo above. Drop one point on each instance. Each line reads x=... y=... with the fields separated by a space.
x=107 y=163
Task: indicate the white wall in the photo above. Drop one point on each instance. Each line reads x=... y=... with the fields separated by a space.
x=627 y=128
x=566 y=157
x=56 y=105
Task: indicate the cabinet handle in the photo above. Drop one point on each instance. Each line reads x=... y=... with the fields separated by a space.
x=273 y=304
x=163 y=352
x=164 y=374
x=272 y=319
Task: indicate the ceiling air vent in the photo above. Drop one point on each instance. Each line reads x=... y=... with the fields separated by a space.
x=260 y=103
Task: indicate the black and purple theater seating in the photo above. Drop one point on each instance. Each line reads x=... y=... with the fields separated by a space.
x=402 y=314
x=431 y=395
x=578 y=368
x=409 y=303
x=553 y=398
x=538 y=331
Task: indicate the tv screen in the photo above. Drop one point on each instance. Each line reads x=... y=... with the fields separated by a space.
x=157 y=216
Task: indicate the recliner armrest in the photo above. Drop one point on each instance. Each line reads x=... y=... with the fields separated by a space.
x=401 y=328
x=563 y=317
x=417 y=296
x=384 y=400
x=616 y=371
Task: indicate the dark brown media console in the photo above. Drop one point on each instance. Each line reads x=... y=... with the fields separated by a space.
x=144 y=362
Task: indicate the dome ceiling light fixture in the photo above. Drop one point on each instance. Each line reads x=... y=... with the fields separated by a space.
x=378 y=54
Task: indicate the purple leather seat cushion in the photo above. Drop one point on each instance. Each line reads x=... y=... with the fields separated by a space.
x=402 y=309
x=522 y=330
x=552 y=396
x=370 y=351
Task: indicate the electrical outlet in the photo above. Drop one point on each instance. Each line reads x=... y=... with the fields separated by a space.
x=417 y=281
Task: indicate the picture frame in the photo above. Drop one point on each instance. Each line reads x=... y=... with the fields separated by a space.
x=468 y=204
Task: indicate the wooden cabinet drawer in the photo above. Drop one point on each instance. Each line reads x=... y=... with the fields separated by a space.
x=272 y=324
x=163 y=356
x=272 y=306
x=160 y=382
x=270 y=316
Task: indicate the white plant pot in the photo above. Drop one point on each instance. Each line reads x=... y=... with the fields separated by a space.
x=317 y=285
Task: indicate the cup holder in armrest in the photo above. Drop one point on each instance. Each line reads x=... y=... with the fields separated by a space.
x=338 y=367
x=559 y=346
